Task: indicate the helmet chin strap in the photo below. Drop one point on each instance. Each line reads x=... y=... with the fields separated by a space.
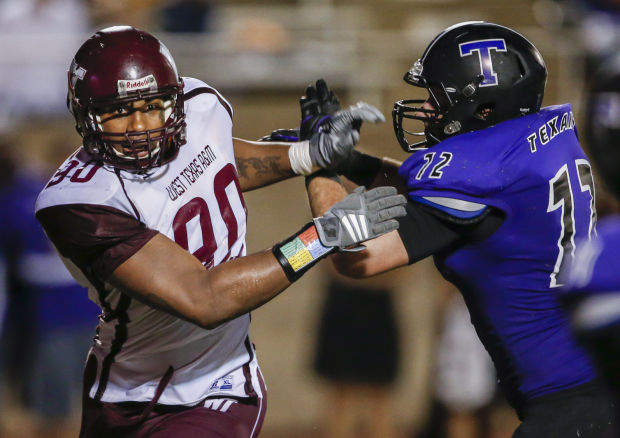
x=439 y=134
x=414 y=148
x=452 y=127
x=419 y=146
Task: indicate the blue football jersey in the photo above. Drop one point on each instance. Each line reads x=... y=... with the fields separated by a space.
x=532 y=169
x=593 y=279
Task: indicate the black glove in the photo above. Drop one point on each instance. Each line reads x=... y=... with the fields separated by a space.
x=317 y=106
x=334 y=142
x=327 y=134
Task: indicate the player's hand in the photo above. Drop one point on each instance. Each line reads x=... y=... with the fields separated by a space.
x=327 y=134
x=317 y=106
x=361 y=216
x=336 y=137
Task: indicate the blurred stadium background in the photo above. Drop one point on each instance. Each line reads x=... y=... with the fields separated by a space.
x=261 y=55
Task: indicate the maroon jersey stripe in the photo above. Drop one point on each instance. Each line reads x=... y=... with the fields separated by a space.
x=117 y=172
x=200 y=90
x=120 y=336
x=249 y=388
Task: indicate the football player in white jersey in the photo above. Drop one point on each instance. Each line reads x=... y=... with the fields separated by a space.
x=148 y=214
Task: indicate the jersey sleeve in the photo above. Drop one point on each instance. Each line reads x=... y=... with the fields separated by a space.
x=96 y=238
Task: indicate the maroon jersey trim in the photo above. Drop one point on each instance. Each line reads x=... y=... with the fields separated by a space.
x=249 y=387
x=200 y=90
x=97 y=238
x=120 y=179
x=120 y=336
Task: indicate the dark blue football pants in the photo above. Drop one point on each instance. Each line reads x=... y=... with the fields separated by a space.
x=587 y=411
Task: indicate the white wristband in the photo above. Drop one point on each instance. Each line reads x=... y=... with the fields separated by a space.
x=299 y=156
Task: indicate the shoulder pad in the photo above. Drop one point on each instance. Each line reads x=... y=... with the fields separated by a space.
x=82 y=180
x=200 y=95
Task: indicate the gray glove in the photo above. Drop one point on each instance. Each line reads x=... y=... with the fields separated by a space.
x=337 y=136
x=361 y=216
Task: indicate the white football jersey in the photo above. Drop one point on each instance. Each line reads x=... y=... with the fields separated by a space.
x=98 y=216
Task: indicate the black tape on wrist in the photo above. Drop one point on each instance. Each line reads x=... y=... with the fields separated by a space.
x=360 y=168
x=300 y=252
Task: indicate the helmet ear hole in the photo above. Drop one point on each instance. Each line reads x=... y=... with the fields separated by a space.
x=483 y=112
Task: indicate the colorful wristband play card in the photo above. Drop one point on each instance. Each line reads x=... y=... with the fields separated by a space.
x=304 y=249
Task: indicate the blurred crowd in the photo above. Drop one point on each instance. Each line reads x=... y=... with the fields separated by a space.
x=47 y=321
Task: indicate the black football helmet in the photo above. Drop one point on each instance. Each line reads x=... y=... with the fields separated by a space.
x=477 y=74
x=602 y=122
x=116 y=66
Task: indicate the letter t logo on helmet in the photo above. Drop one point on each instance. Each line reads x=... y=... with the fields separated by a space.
x=483 y=48
x=469 y=69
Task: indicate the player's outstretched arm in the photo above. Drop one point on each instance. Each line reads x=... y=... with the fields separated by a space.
x=167 y=277
x=324 y=140
x=261 y=163
x=382 y=254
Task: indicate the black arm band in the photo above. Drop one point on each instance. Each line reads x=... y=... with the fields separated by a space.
x=360 y=168
x=423 y=233
x=426 y=230
x=323 y=173
x=300 y=252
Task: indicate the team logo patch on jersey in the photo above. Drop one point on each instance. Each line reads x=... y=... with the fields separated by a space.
x=222 y=383
x=128 y=85
x=483 y=49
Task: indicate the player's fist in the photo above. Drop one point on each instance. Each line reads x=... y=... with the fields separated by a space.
x=337 y=136
x=327 y=133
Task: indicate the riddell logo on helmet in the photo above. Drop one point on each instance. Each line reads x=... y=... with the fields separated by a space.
x=128 y=85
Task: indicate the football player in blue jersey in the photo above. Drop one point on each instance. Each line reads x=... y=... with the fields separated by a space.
x=592 y=282
x=499 y=192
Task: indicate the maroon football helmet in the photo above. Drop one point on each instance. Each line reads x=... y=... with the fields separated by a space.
x=119 y=65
